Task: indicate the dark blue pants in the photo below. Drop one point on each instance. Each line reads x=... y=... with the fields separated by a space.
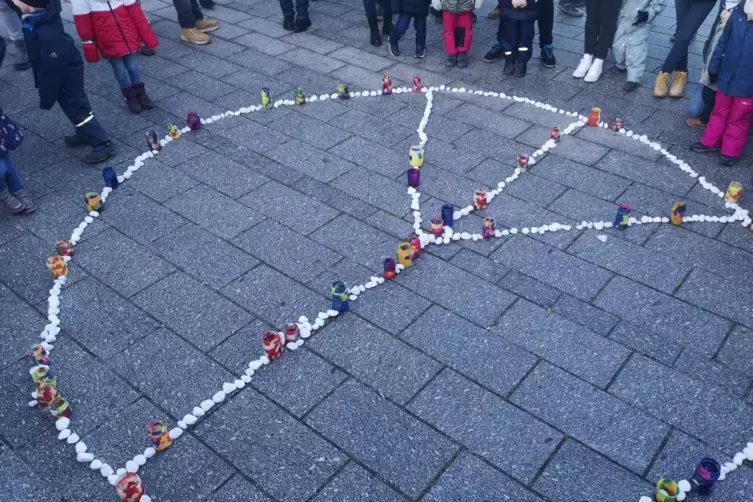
x=370 y=7
x=690 y=16
x=9 y=178
x=516 y=38
x=301 y=8
x=403 y=22
x=75 y=105
x=188 y=12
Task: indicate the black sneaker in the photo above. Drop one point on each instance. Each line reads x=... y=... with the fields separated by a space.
x=701 y=148
x=509 y=68
x=394 y=49
x=617 y=70
x=74 y=141
x=520 y=69
x=302 y=25
x=547 y=56
x=146 y=51
x=436 y=13
x=208 y=5
x=727 y=161
x=571 y=10
x=462 y=60
x=630 y=86
x=288 y=23
x=495 y=53
x=99 y=153
x=387 y=28
x=420 y=53
x=452 y=60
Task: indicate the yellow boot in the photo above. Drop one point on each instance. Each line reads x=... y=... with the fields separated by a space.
x=660 y=88
x=678 y=84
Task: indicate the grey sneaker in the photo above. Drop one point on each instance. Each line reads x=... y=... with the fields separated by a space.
x=12 y=205
x=28 y=204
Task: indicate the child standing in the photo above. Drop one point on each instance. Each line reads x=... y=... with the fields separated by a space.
x=457 y=14
x=731 y=69
x=418 y=10
x=59 y=75
x=10 y=20
x=517 y=25
x=116 y=29
x=631 y=40
x=601 y=25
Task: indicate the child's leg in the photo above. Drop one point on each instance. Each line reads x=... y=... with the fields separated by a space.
x=593 y=24
x=449 y=23
x=738 y=125
x=465 y=21
x=709 y=100
x=12 y=180
x=695 y=103
x=419 y=23
x=121 y=73
x=131 y=63
x=508 y=36
x=527 y=30
x=712 y=136
x=610 y=14
x=403 y=22
x=636 y=57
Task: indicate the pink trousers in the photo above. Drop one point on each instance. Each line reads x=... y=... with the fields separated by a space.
x=729 y=124
x=453 y=20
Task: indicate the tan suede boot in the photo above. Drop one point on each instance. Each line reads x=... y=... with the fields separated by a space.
x=678 y=84
x=194 y=36
x=660 y=88
x=207 y=25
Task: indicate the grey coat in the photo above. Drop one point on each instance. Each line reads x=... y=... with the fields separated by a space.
x=458 y=5
x=631 y=42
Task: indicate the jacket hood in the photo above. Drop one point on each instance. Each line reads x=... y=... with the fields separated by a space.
x=51 y=13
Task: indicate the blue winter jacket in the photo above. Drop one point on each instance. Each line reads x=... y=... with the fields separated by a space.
x=733 y=57
x=55 y=60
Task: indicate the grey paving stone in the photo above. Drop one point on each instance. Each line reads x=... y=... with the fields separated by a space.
x=217 y=213
x=437 y=280
x=372 y=156
x=584 y=314
x=391 y=307
x=580 y=177
x=209 y=65
x=334 y=197
x=491 y=145
x=402 y=450
x=453 y=158
x=722 y=296
x=683 y=402
x=38 y=153
x=193 y=311
x=161 y=183
x=299 y=381
x=206 y=257
x=530 y=289
x=222 y=174
x=375 y=189
x=479 y=266
x=359 y=78
x=312 y=60
x=20 y=424
x=551 y=266
x=617 y=430
x=484 y=118
x=311 y=81
x=571 y=475
x=237 y=490
x=273 y=297
x=286 y=250
x=688 y=249
x=469 y=479
x=391 y=224
x=139 y=217
x=658 y=270
x=162 y=365
x=533 y=189
x=201 y=85
x=264 y=43
x=657 y=175
x=310 y=130
x=530 y=440
x=265 y=26
x=244 y=346
x=372 y=128
x=578 y=150
x=310 y=161
x=709 y=372
x=254 y=81
x=619 y=142
x=737 y=351
x=177 y=153
x=677 y=321
x=256 y=60
x=101 y=320
x=447 y=186
x=647 y=342
x=360 y=242
x=21 y=326
x=355 y=484
x=250 y=134
x=350 y=343
x=19 y=481
x=289 y=446
x=312 y=42
x=737 y=236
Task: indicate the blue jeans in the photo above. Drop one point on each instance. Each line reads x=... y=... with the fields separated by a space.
x=301 y=8
x=403 y=22
x=9 y=178
x=126 y=70
x=701 y=103
x=690 y=16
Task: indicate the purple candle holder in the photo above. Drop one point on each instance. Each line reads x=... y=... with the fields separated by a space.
x=414 y=177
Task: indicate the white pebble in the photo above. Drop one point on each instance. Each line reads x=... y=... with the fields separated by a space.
x=599 y=225
x=132 y=466
x=738 y=459
x=255 y=364
x=246 y=378
x=182 y=424
x=175 y=433
x=332 y=313
x=150 y=452
x=322 y=315
x=64 y=434
x=139 y=459
x=207 y=405
x=684 y=485
x=218 y=397
x=80 y=447
x=112 y=479
x=228 y=387
x=197 y=411
x=95 y=465
x=146 y=498
x=85 y=457
x=643 y=499
x=681 y=496
x=303 y=319
x=62 y=423
x=73 y=438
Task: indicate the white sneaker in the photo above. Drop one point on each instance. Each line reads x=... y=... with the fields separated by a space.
x=595 y=71
x=583 y=66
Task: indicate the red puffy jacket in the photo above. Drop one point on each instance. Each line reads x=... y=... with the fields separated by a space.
x=112 y=28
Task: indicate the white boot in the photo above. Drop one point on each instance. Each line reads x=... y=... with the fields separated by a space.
x=595 y=71
x=583 y=66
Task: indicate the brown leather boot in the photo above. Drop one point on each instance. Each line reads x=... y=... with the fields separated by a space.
x=678 y=84
x=660 y=87
x=194 y=36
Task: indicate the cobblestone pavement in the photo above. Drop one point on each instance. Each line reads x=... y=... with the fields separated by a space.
x=554 y=368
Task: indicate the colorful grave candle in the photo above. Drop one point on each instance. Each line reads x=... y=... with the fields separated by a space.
x=300 y=97
x=292 y=334
x=40 y=373
x=173 y=131
x=64 y=247
x=416 y=156
x=152 y=141
x=60 y=407
x=339 y=294
x=522 y=162
x=40 y=355
x=415 y=243
x=487 y=231
x=129 y=488
x=479 y=199
x=448 y=215
x=110 y=177
x=556 y=134
x=405 y=254
x=616 y=124
x=666 y=490
x=437 y=226
x=706 y=473
x=47 y=392
x=678 y=213
x=266 y=98
x=386 y=85
x=342 y=91
x=159 y=435
x=623 y=217
x=416 y=83
x=93 y=202
x=194 y=121
x=734 y=191
x=57 y=266
x=414 y=177
x=594 y=117
x=389 y=269
x=272 y=345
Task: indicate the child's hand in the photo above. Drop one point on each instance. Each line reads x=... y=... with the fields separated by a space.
x=724 y=16
x=641 y=18
x=713 y=77
x=519 y=4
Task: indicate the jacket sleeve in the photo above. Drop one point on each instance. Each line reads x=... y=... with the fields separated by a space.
x=655 y=7
x=715 y=64
x=84 y=20
x=142 y=25
x=52 y=68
